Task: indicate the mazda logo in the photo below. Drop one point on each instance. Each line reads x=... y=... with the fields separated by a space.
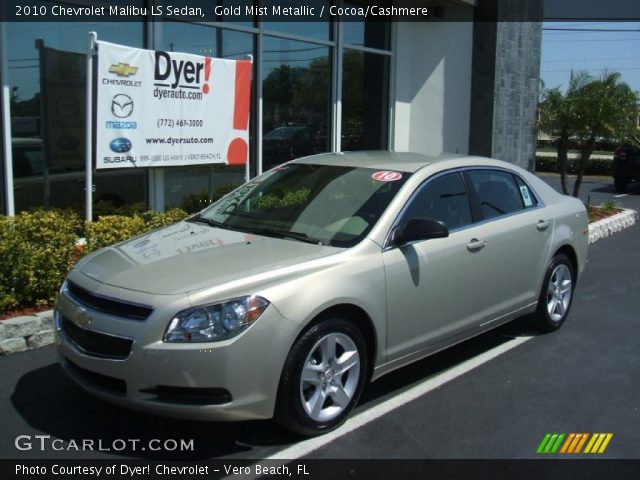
x=121 y=105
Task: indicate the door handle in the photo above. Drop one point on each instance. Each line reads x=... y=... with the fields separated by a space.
x=542 y=225
x=474 y=245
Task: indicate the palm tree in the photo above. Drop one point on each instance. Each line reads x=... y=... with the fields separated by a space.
x=558 y=116
x=607 y=109
x=590 y=108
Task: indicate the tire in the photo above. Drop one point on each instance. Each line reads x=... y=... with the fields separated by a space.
x=620 y=184
x=318 y=389
x=556 y=295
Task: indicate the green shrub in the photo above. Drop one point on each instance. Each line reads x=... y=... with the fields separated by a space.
x=104 y=207
x=595 y=166
x=155 y=220
x=37 y=249
x=110 y=229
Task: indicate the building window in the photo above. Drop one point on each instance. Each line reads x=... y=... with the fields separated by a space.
x=319 y=30
x=357 y=31
x=299 y=99
x=365 y=101
x=3 y=206
x=193 y=187
x=296 y=90
x=47 y=81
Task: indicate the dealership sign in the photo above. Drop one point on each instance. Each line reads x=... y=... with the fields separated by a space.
x=158 y=109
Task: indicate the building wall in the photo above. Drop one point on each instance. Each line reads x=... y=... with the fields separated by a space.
x=506 y=72
x=433 y=83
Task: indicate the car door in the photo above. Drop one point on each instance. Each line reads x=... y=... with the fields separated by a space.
x=432 y=285
x=515 y=234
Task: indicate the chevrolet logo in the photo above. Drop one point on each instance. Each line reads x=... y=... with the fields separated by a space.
x=123 y=69
x=82 y=318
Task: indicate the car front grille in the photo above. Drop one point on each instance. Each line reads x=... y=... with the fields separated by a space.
x=97 y=344
x=111 y=306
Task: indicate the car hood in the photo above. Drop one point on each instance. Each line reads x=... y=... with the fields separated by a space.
x=187 y=256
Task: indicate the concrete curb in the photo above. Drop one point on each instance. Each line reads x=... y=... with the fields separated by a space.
x=608 y=226
x=24 y=333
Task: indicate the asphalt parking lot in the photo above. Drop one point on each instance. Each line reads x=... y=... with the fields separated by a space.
x=597 y=190
x=493 y=397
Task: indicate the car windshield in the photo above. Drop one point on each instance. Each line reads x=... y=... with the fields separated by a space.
x=322 y=204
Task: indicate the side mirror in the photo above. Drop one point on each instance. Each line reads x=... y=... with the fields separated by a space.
x=419 y=228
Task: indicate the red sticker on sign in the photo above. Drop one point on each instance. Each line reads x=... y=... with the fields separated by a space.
x=386 y=176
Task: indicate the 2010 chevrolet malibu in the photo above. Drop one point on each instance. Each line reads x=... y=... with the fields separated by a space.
x=285 y=296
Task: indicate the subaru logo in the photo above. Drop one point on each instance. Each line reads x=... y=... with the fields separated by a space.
x=121 y=105
x=120 y=145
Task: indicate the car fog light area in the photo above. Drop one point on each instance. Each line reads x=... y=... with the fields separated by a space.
x=216 y=322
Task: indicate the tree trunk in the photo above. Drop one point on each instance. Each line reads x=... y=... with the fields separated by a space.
x=562 y=147
x=586 y=149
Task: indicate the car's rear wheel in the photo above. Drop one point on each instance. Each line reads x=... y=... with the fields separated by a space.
x=620 y=184
x=322 y=378
x=556 y=295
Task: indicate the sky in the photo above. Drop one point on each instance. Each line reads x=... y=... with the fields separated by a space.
x=614 y=48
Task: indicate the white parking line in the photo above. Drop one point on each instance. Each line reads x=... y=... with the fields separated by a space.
x=621 y=195
x=307 y=446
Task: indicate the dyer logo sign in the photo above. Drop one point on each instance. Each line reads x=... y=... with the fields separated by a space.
x=185 y=109
x=179 y=73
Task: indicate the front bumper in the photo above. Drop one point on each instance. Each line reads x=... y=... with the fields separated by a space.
x=236 y=379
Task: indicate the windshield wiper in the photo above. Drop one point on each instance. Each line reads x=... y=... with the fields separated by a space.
x=302 y=237
x=207 y=221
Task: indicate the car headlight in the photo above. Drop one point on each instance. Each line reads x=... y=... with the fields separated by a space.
x=216 y=322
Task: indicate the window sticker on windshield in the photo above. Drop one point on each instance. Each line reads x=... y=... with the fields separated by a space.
x=526 y=198
x=386 y=176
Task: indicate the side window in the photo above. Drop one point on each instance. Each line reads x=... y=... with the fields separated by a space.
x=497 y=192
x=528 y=198
x=444 y=198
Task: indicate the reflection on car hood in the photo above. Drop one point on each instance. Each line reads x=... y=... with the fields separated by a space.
x=187 y=256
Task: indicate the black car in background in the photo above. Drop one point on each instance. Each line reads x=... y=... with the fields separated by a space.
x=286 y=143
x=64 y=182
x=626 y=167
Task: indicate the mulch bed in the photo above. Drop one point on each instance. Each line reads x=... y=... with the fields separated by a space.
x=18 y=312
x=596 y=213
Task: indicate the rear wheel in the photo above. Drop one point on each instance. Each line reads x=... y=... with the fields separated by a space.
x=556 y=295
x=322 y=378
x=620 y=184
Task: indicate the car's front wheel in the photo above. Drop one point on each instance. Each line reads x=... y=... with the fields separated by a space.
x=556 y=295
x=323 y=377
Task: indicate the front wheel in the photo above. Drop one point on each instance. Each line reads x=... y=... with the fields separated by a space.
x=556 y=295
x=323 y=377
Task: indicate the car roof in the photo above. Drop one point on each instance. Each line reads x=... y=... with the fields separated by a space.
x=386 y=160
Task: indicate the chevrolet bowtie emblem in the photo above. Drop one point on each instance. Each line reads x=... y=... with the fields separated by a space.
x=123 y=69
x=82 y=319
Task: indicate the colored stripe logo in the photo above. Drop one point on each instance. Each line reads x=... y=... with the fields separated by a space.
x=574 y=443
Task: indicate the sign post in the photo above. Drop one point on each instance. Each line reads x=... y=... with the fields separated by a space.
x=89 y=130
